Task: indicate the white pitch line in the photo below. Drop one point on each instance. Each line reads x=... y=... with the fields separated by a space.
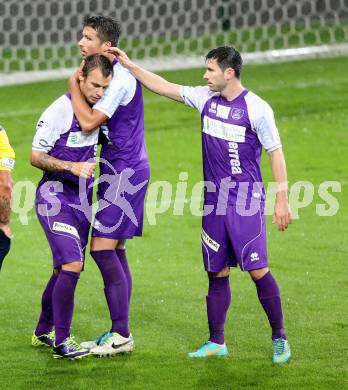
x=20 y=113
x=38 y=111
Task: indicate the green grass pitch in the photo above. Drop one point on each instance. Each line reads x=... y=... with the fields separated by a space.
x=168 y=316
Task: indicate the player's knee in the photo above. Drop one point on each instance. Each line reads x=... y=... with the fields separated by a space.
x=75 y=266
x=257 y=274
x=222 y=274
x=103 y=244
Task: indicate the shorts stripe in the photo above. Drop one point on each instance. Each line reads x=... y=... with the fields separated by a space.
x=250 y=241
x=208 y=258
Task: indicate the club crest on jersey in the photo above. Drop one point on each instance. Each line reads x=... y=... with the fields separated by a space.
x=237 y=113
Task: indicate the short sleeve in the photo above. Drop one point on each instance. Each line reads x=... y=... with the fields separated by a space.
x=263 y=123
x=267 y=131
x=119 y=93
x=54 y=121
x=196 y=97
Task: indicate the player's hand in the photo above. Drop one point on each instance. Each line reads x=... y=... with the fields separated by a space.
x=282 y=215
x=120 y=55
x=83 y=169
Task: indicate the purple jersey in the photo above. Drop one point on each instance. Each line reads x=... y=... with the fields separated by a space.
x=123 y=104
x=59 y=135
x=233 y=133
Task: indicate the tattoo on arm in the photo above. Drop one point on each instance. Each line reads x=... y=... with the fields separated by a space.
x=5 y=209
x=51 y=164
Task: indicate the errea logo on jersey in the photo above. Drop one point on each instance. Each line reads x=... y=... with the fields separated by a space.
x=212 y=108
x=233 y=154
x=254 y=256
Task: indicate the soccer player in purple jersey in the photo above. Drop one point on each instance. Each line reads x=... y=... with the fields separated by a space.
x=236 y=124
x=124 y=175
x=67 y=156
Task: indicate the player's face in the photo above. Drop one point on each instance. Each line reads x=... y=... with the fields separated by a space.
x=90 y=43
x=214 y=76
x=94 y=85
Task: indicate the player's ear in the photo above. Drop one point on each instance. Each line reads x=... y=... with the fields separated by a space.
x=81 y=77
x=106 y=45
x=230 y=73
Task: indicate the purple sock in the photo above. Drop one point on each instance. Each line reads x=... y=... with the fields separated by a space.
x=45 y=324
x=269 y=296
x=218 y=302
x=121 y=253
x=63 y=303
x=116 y=289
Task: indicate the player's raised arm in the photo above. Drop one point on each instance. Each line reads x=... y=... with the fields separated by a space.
x=48 y=163
x=282 y=213
x=89 y=118
x=150 y=80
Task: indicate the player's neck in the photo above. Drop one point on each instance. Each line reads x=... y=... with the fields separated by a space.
x=232 y=90
x=109 y=56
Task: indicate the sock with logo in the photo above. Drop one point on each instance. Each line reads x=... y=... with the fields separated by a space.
x=269 y=297
x=115 y=288
x=63 y=303
x=121 y=253
x=218 y=302
x=45 y=323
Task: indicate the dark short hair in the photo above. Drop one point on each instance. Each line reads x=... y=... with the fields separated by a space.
x=107 y=28
x=227 y=57
x=97 y=61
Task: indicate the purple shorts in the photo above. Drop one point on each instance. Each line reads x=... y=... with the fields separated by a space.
x=231 y=240
x=67 y=234
x=121 y=198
